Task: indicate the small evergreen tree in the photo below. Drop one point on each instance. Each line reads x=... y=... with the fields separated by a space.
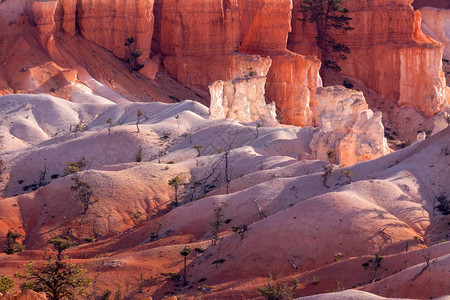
x=185 y=252
x=328 y=15
x=60 y=244
x=12 y=246
x=57 y=279
x=84 y=193
x=373 y=265
x=110 y=125
x=139 y=115
x=217 y=222
x=175 y=182
x=133 y=55
x=240 y=230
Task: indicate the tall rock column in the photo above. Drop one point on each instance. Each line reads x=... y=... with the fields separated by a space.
x=292 y=80
x=42 y=15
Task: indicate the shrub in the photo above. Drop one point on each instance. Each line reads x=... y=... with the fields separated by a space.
x=199 y=249
x=75 y=166
x=278 y=291
x=6 y=284
x=12 y=246
x=251 y=73
x=327 y=171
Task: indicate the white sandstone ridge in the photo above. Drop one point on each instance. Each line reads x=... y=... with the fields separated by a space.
x=242 y=99
x=349 y=132
x=436 y=24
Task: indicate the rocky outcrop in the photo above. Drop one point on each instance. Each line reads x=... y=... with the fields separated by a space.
x=390 y=54
x=349 y=132
x=216 y=37
x=42 y=15
x=241 y=99
x=436 y=24
x=291 y=84
x=25 y=295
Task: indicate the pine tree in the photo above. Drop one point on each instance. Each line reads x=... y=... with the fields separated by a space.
x=175 y=182
x=328 y=15
x=185 y=252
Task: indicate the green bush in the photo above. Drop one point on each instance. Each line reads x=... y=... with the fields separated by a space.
x=6 y=284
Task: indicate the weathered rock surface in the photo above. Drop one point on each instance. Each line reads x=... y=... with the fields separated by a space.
x=25 y=295
x=212 y=36
x=108 y=24
x=436 y=24
x=42 y=15
x=291 y=84
x=389 y=53
x=241 y=99
x=349 y=132
x=104 y=23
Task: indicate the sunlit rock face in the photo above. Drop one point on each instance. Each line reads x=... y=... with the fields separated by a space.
x=205 y=42
x=241 y=99
x=348 y=132
x=436 y=24
x=390 y=54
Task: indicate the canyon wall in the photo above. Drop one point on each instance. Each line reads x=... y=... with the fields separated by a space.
x=105 y=23
x=390 y=54
x=204 y=42
x=201 y=42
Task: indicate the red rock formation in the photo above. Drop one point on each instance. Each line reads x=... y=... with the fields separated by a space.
x=389 y=53
x=201 y=41
x=264 y=25
x=41 y=15
x=25 y=295
x=291 y=84
x=107 y=24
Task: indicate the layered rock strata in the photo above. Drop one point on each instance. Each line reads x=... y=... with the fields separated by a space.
x=104 y=23
x=349 y=132
x=205 y=42
x=390 y=54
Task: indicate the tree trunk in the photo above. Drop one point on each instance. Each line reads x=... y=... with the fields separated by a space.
x=184 y=278
x=176 y=194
